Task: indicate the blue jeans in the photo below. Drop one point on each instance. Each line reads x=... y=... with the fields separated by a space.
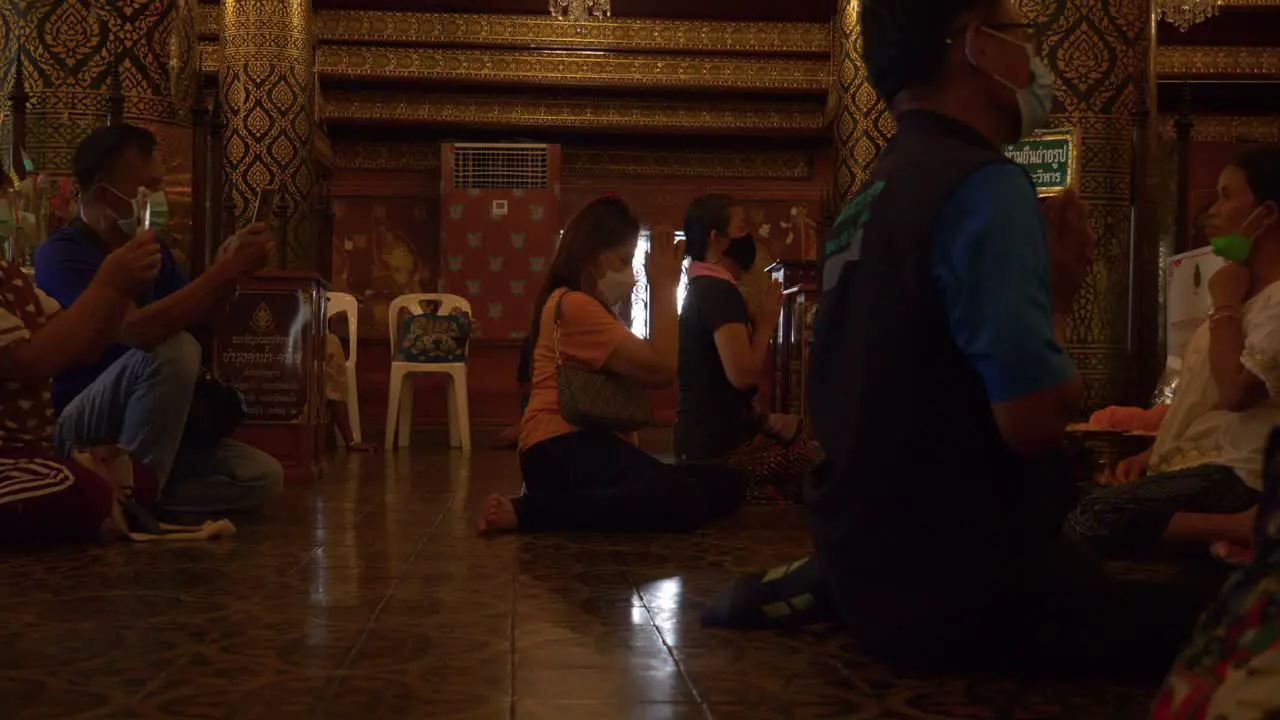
x=141 y=402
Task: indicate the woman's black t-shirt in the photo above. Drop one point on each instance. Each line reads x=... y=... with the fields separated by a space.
x=713 y=417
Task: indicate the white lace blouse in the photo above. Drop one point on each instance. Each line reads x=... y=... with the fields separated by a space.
x=1197 y=431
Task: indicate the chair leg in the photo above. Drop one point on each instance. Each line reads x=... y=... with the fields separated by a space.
x=406 y=413
x=393 y=407
x=463 y=413
x=451 y=399
x=353 y=405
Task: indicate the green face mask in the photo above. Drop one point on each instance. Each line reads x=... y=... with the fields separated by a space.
x=156 y=214
x=1237 y=246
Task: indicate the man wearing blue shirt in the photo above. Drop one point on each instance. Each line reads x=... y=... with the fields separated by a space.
x=940 y=390
x=139 y=392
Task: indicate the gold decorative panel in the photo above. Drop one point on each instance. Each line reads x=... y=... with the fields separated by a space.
x=375 y=27
x=1183 y=61
x=1098 y=50
x=513 y=111
x=862 y=123
x=532 y=67
x=68 y=50
x=267 y=86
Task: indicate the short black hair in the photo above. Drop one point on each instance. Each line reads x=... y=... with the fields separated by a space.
x=707 y=214
x=904 y=42
x=1261 y=168
x=97 y=153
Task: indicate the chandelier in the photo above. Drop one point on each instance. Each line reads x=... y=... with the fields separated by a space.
x=579 y=9
x=1185 y=13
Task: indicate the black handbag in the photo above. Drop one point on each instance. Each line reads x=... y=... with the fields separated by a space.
x=217 y=409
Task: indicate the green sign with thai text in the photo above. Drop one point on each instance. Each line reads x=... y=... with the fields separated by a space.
x=1051 y=158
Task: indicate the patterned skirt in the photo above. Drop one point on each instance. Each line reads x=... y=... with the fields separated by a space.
x=775 y=468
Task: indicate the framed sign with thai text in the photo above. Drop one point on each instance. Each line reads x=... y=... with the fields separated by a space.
x=1050 y=157
x=260 y=347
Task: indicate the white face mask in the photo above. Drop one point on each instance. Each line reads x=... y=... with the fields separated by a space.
x=1035 y=101
x=616 y=286
x=128 y=225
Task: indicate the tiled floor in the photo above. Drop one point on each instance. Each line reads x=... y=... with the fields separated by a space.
x=369 y=596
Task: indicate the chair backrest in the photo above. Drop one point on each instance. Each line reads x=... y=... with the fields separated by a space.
x=413 y=303
x=338 y=303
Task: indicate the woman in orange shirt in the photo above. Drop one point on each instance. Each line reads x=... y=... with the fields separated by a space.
x=592 y=480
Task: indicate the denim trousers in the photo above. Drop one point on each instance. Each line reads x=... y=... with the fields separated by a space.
x=141 y=403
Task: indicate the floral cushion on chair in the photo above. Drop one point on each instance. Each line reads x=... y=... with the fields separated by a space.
x=1231 y=668
x=431 y=338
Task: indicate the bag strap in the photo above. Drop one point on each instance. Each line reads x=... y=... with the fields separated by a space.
x=555 y=338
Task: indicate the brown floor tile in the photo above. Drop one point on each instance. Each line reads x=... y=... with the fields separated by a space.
x=534 y=710
x=614 y=685
x=367 y=595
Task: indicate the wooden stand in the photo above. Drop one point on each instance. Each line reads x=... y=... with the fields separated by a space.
x=271 y=346
x=795 y=329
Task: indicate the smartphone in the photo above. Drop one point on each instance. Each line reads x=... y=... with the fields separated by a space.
x=144 y=201
x=155 y=210
x=266 y=204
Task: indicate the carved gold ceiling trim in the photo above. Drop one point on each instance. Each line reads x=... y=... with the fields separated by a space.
x=778 y=165
x=535 y=67
x=1181 y=61
x=540 y=31
x=532 y=67
x=598 y=114
x=386 y=156
x=1249 y=3
x=594 y=162
x=1223 y=128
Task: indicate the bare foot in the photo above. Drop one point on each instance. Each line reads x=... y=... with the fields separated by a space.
x=361 y=447
x=499 y=515
x=1232 y=554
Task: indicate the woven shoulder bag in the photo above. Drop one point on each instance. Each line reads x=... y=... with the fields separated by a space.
x=599 y=400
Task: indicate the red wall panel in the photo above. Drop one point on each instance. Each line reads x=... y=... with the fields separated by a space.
x=497 y=261
x=415 y=217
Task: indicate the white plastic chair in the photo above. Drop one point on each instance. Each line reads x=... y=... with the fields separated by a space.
x=400 y=393
x=338 y=304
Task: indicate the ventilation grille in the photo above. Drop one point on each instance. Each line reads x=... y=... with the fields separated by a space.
x=478 y=167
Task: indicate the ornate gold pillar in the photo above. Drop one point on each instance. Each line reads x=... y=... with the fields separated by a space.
x=862 y=123
x=69 y=50
x=1099 y=52
x=267 y=88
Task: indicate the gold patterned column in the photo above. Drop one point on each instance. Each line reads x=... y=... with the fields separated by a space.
x=1099 y=51
x=69 y=49
x=863 y=124
x=267 y=87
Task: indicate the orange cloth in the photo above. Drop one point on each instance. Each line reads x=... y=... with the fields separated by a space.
x=1129 y=419
x=588 y=335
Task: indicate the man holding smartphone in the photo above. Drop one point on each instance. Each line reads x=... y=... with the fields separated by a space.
x=140 y=389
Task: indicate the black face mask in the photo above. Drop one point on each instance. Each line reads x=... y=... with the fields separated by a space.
x=742 y=250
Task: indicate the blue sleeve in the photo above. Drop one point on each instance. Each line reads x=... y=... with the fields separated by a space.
x=170 y=279
x=64 y=270
x=991 y=264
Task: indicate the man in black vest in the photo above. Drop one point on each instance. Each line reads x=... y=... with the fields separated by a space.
x=939 y=386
